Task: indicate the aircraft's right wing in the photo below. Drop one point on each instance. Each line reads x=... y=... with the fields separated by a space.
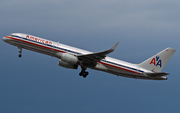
x=95 y=57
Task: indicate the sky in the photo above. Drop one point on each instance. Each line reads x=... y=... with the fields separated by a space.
x=35 y=83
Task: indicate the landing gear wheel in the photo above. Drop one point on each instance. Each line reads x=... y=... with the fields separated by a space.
x=84 y=76
x=83 y=73
x=86 y=73
x=80 y=74
x=20 y=55
x=20 y=51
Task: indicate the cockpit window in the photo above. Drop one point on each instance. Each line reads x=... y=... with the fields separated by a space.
x=12 y=35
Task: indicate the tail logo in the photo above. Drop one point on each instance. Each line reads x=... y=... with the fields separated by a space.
x=156 y=61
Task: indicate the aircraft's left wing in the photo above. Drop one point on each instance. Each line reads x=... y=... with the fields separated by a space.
x=94 y=57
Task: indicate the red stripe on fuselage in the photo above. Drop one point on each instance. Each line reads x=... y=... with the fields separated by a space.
x=119 y=67
x=65 y=52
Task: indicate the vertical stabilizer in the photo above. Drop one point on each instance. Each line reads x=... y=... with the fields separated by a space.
x=157 y=62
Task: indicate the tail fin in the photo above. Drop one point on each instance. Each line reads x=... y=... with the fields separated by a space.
x=157 y=62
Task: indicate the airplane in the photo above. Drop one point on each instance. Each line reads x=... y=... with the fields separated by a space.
x=71 y=58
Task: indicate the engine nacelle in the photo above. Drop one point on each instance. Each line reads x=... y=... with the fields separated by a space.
x=66 y=57
x=67 y=65
x=69 y=58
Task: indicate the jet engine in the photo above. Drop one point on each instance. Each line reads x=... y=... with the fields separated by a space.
x=66 y=57
x=67 y=65
x=67 y=60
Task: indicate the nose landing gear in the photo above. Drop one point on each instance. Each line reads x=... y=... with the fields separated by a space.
x=20 y=51
x=20 y=55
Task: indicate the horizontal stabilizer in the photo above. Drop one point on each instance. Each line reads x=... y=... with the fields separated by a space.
x=157 y=74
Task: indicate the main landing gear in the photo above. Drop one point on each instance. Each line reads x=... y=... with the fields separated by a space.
x=20 y=51
x=83 y=73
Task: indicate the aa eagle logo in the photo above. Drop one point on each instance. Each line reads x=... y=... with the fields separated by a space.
x=156 y=61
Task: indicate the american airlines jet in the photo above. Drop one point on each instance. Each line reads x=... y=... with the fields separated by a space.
x=71 y=57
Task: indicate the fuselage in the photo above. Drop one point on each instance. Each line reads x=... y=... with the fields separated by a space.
x=108 y=64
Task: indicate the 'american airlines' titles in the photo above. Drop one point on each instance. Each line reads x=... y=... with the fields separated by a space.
x=39 y=40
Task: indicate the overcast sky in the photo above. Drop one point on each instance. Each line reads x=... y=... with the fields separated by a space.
x=35 y=83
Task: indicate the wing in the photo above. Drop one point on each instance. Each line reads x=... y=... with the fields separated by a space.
x=95 y=57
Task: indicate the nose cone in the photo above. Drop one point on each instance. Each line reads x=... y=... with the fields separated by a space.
x=5 y=39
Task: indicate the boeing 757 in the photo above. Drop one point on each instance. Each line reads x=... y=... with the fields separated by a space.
x=71 y=57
